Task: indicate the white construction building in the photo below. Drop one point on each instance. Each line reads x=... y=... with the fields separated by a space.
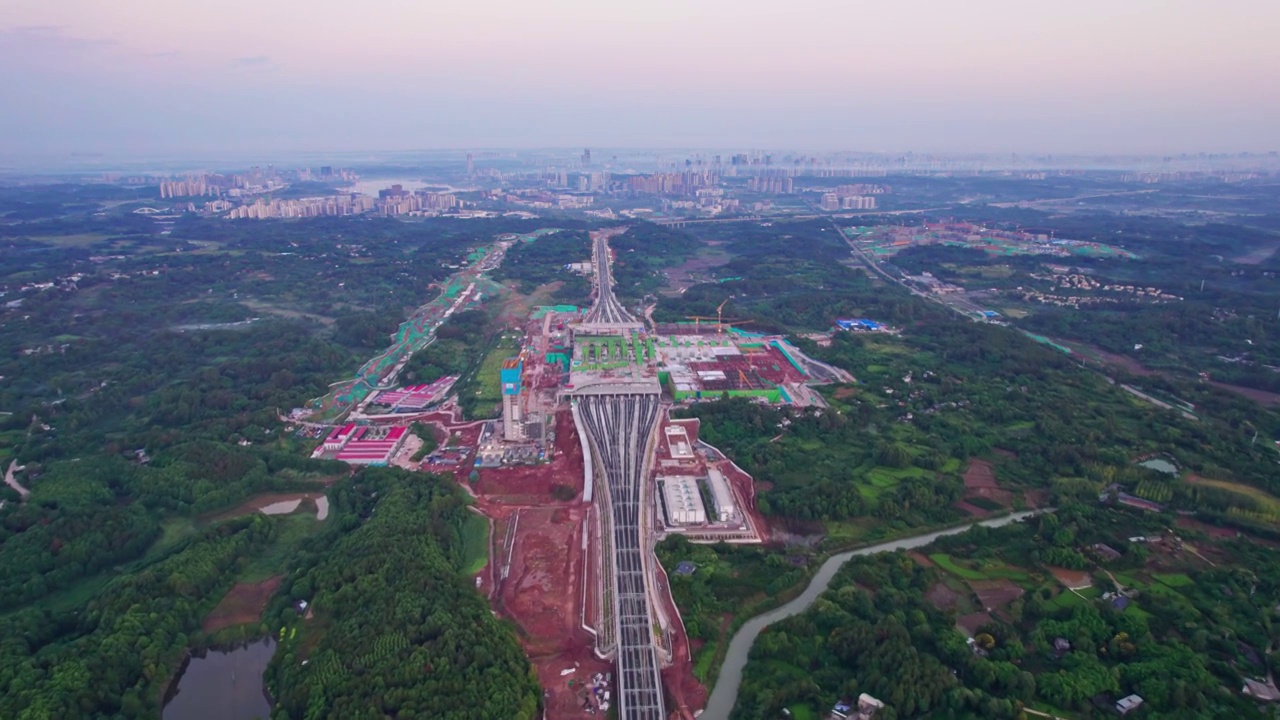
x=684 y=502
x=725 y=507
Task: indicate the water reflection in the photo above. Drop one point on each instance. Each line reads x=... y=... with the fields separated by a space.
x=222 y=684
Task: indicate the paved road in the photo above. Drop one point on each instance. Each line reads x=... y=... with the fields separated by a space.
x=607 y=309
x=725 y=693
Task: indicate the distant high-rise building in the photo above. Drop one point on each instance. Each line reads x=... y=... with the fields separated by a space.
x=586 y=157
x=858 y=202
x=471 y=170
x=326 y=171
x=830 y=201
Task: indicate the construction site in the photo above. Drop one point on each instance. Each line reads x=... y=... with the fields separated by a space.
x=582 y=474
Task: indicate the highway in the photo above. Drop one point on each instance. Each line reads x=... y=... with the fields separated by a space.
x=606 y=310
x=619 y=428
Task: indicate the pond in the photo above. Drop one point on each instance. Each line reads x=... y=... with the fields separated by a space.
x=282 y=507
x=222 y=684
x=1160 y=465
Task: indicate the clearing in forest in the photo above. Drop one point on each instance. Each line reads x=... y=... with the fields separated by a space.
x=243 y=604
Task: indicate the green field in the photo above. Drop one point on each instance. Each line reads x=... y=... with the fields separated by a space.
x=82 y=240
x=945 y=562
x=803 y=712
x=987 y=570
x=1174 y=580
x=1269 y=503
x=702 y=661
x=291 y=532
x=1068 y=599
x=485 y=386
x=475 y=544
x=882 y=479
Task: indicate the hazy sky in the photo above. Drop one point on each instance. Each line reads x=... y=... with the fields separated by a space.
x=242 y=76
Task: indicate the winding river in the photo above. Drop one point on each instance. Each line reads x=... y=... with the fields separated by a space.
x=725 y=693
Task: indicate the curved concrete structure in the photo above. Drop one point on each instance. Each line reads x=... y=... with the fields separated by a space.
x=620 y=428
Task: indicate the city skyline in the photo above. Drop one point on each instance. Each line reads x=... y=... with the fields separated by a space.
x=129 y=78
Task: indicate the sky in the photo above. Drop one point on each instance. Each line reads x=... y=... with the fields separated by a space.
x=236 y=77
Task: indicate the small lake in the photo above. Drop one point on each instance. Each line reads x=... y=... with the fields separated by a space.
x=282 y=507
x=222 y=684
x=1160 y=465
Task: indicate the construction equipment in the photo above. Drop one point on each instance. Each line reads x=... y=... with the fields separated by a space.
x=721 y=323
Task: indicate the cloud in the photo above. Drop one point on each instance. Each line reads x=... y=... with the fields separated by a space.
x=253 y=61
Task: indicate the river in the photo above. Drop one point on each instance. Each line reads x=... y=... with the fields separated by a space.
x=725 y=693
x=222 y=685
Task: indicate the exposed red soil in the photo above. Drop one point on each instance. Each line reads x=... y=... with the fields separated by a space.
x=980 y=481
x=768 y=363
x=979 y=474
x=1212 y=531
x=844 y=392
x=746 y=488
x=243 y=604
x=942 y=597
x=545 y=569
x=921 y=559
x=995 y=594
x=971 y=623
x=532 y=484
x=691 y=427
x=257 y=502
x=1071 y=578
x=1036 y=498
x=1262 y=397
x=542 y=594
x=684 y=691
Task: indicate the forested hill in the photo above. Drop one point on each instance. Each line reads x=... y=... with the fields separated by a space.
x=397 y=631
x=142 y=370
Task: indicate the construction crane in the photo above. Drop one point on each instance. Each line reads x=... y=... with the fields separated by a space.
x=721 y=323
x=697 y=320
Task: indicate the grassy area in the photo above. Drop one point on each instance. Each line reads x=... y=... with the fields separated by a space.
x=483 y=388
x=882 y=479
x=946 y=562
x=1264 y=499
x=173 y=531
x=78 y=241
x=803 y=712
x=292 y=531
x=78 y=594
x=986 y=569
x=845 y=532
x=1069 y=599
x=702 y=662
x=1174 y=580
x=475 y=544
